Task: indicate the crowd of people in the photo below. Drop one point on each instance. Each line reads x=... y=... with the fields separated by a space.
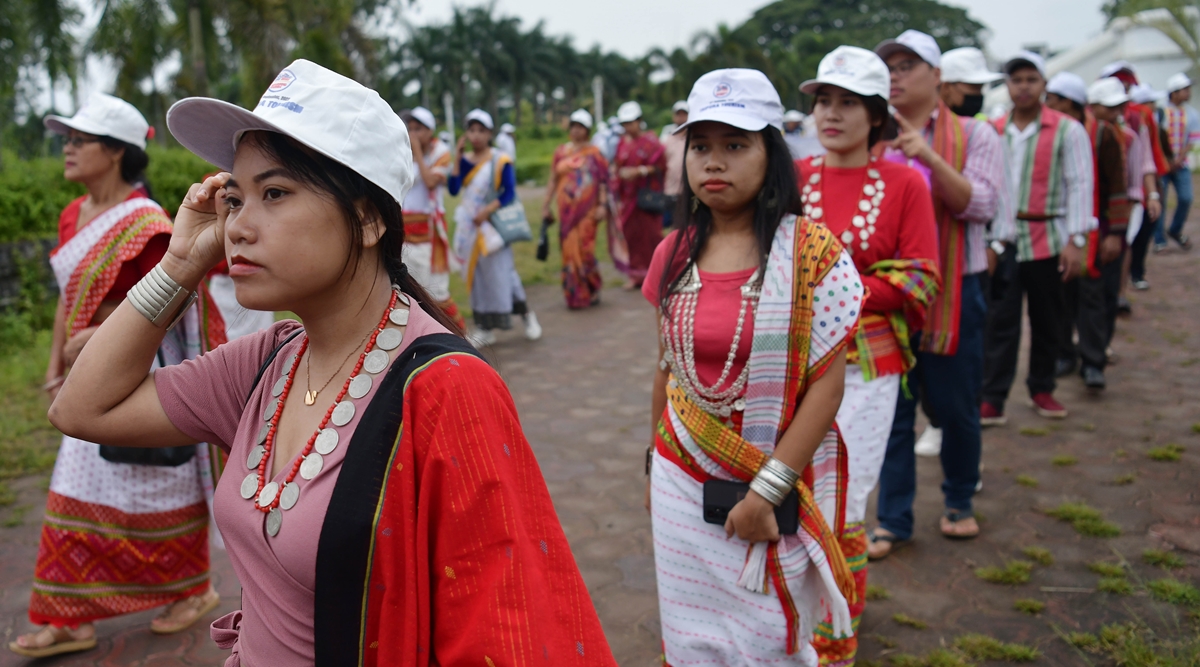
x=825 y=274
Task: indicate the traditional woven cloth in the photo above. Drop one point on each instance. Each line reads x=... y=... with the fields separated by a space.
x=941 y=327
x=1041 y=196
x=120 y=538
x=879 y=336
x=841 y=651
x=706 y=580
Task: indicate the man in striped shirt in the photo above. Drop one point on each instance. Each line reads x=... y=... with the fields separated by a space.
x=1183 y=128
x=1049 y=159
x=966 y=166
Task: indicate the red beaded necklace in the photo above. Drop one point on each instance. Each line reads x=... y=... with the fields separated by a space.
x=269 y=443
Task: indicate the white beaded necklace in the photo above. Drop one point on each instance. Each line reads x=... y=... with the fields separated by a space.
x=679 y=339
x=868 y=206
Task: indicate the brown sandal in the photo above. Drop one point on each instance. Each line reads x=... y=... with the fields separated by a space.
x=951 y=520
x=60 y=641
x=197 y=607
x=892 y=541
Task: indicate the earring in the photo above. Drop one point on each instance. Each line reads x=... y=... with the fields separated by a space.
x=695 y=203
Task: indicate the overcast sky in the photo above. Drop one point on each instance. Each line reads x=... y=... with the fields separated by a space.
x=633 y=27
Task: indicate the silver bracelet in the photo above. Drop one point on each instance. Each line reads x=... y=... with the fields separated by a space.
x=767 y=490
x=160 y=299
x=774 y=481
x=783 y=471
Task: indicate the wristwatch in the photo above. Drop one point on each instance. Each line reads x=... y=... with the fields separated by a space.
x=1079 y=240
x=997 y=247
x=1154 y=196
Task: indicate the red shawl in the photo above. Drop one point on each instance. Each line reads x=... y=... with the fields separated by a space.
x=941 y=325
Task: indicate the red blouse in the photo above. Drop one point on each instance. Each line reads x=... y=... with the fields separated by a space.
x=905 y=228
x=131 y=272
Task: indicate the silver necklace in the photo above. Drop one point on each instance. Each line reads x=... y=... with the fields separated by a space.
x=679 y=340
x=868 y=205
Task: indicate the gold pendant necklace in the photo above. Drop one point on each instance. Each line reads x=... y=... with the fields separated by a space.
x=310 y=396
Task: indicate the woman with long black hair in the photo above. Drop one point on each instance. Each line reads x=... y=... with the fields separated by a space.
x=381 y=504
x=756 y=307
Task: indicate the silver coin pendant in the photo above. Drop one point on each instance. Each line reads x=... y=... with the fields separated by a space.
x=274 y=521
x=399 y=317
x=312 y=465
x=360 y=385
x=279 y=385
x=327 y=441
x=262 y=433
x=375 y=362
x=403 y=298
x=256 y=456
x=342 y=414
x=389 y=339
x=267 y=495
x=269 y=411
x=249 y=485
x=289 y=495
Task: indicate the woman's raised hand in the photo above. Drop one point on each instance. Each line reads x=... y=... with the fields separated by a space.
x=198 y=242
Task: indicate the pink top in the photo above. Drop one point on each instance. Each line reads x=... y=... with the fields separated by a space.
x=716 y=314
x=203 y=398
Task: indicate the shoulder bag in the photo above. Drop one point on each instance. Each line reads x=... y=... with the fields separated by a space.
x=510 y=221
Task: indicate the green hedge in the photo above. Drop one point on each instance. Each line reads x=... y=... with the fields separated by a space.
x=33 y=192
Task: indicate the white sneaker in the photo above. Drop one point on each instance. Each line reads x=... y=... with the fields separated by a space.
x=481 y=338
x=930 y=442
x=533 y=330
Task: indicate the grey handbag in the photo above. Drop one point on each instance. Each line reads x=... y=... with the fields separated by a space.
x=510 y=221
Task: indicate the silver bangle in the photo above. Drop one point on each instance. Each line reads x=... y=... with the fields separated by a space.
x=767 y=490
x=783 y=471
x=774 y=481
x=160 y=299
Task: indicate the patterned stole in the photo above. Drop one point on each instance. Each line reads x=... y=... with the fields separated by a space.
x=1175 y=118
x=918 y=280
x=941 y=327
x=1139 y=115
x=1106 y=207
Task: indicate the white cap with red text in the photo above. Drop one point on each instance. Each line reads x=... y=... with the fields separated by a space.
x=327 y=112
x=104 y=116
x=924 y=46
x=743 y=98
x=855 y=69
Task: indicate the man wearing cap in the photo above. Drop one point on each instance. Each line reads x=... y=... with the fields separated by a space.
x=1183 y=128
x=426 y=237
x=1051 y=186
x=964 y=74
x=1139 y=116
x=1092 y=300
x=506 y=143
x=679 y=116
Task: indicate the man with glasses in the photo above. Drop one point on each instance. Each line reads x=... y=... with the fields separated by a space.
x=963 y=160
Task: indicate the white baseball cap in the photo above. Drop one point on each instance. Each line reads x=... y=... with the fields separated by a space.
x=855 y=69
x=104 y=116
x=507 y=128
x=1025 y=57
x=681 y=105
x=1070 y=86
x=629 y=112
x=793 y=116
x=1108 y=92
x=582 y=117
x=743 y=98
x=967 y=65
x=327 y=112
x=1113 y=68
x=479 y=116
x=1178 y=82
x=924 y=46
x=1143 y=93
x=425 y=117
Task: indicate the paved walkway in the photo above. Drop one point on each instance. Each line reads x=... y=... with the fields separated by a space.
x=583 y=394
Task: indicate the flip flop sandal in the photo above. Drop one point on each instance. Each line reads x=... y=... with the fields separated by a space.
x=955 y=516
x=203 y=609
x=896 y=543
x=56 y=648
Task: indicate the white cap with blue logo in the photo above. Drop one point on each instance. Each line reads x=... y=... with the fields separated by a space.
x=327 y=112
x=743 y=98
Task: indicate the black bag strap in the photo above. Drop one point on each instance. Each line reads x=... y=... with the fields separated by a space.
x=267 y=364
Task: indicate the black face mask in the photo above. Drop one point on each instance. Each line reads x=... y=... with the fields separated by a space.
x=971 y=105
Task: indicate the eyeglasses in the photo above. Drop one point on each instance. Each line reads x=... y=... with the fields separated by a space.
x=904 y=66
x=78 y=142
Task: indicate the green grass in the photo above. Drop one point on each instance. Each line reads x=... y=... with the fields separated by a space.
x=1034 y=431
x=16 y=517
x=1163 y=559
x=1086 y=520
x=1039 y=555
x=904 y=619
x=876 y=592
x=1124 y=480
x=1083 y=640
x=1064 y=460
x=1171 y=452
x=1133 y=645
x=1175 y=592
x=982 y=647
x=1014 y=572
x=1196 y=427
x=1107 y=569
x=1027 y=480
x=30 y=443
x=1115 y=585
x=1028 y=606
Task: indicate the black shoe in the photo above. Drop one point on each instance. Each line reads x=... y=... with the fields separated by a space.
x=1123 y=306
x=1064 y=367
x=1093 y=377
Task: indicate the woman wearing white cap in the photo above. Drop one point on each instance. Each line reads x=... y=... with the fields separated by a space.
x=579 y=188
x=756 y=307
x=356 y=540
x=640 y=165
x=125 y=531
x=882 y=212
x=487 y=180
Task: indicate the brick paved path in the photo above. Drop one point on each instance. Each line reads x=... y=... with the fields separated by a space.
x=583 y=393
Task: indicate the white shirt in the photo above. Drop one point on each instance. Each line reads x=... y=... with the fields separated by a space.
x=420 y=199
x=507 y=145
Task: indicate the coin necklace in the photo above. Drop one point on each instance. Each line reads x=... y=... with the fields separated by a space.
x=310 y=396
x=868 y=205
x=267 y=496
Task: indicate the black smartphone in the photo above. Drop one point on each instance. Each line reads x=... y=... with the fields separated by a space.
x=721 y=495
